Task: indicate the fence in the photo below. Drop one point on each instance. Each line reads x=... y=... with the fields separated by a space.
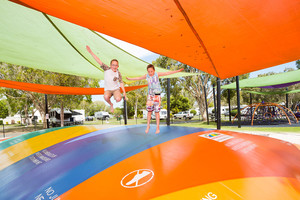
x=11 y=130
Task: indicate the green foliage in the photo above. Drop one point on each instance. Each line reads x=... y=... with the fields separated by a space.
x=132 y=96
x=92 y=107
x=194 y=112
x=180 y=103
x=3 y=109
x=224 y=93
x=85 y=105
x=140 y=114
x=71 y=101
x=25 y=100
x=175 y=86
x=289 y=69
x=233 y=112
x=136 y=100
x=298 y=64
x=191 y=87
x=118 y=111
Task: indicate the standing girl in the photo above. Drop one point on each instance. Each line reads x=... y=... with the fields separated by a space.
x=154 y=90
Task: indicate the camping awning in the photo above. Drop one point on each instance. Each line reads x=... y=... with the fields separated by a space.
x=50 y=89
x=33 y=39
x=223 y=38
x=273 y=81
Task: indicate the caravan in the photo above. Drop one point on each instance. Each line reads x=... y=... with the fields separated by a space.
x=78 y=116
x=54 y=116
x=70 y=117
x=162 y=114
x=101 y=115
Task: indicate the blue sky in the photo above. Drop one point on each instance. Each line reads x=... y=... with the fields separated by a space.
x=149 y=56
x=277 y=69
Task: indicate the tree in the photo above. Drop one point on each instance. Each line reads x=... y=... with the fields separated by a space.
x=175 y=86
x=3 y=109
x=191 y=86
x=194 y=112
x=298 y=64
x=180 y=103
x=224 y=93
x=196 y=86
x=136 y=99
x=97 y=106
x=24 y=74
x=69 y=101
x=118 y=112
x=92 y=107
x=85 y=105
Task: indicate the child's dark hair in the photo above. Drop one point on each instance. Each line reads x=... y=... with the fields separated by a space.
x=150 y=66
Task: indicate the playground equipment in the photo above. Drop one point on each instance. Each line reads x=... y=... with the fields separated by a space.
x=296 y=110
x=267 y=113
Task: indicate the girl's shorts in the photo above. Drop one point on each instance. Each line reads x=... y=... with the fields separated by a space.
x=153 y=103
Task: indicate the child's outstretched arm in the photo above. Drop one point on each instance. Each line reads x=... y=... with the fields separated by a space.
x=94 y=56
x=169 y=72
x=137 y=78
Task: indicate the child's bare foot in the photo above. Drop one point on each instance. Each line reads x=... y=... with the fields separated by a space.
x=111 y=108
x=157 y=131
x=147 y=130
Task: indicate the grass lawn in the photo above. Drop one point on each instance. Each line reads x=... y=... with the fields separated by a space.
x=213 y=125
x=199 y=124
x=114 y=121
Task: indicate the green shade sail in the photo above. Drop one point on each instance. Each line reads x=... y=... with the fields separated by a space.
x=274 y=92
x=273 y=80
x=33 y=39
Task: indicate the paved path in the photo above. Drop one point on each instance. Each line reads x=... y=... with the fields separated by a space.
x=286 y=136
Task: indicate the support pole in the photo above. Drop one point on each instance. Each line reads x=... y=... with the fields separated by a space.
x=207 y=117
x=46 y=111
x=228 y=91
x=287 y=98
x=218 y=104
x=125 y=111
x=251 y=112
x=238 y=100
x=168 y=101
x=215 y=107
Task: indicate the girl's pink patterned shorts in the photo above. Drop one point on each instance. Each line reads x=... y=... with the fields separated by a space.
x=153 y=103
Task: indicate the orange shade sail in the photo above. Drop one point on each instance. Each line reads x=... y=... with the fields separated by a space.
x=223 y=38
x=50 y=89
